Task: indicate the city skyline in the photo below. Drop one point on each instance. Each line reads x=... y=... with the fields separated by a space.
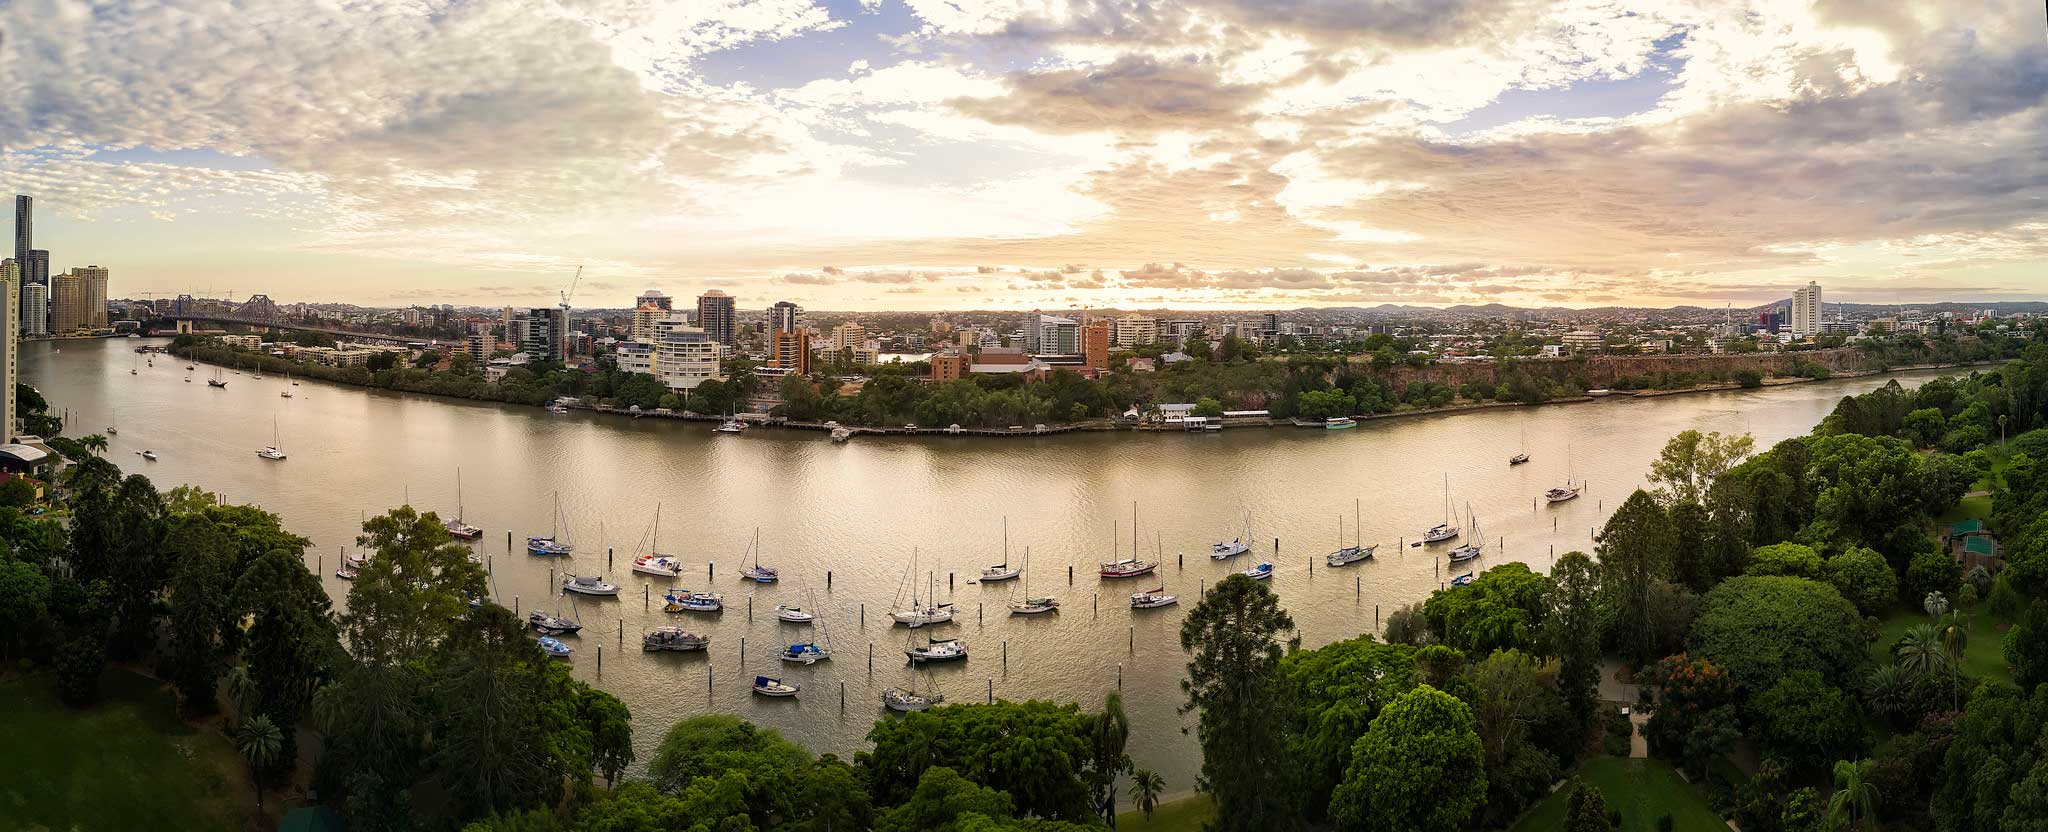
x=912 y=154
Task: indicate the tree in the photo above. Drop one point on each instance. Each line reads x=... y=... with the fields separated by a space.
x=199 y=608
x=1572 y=632
x=1420 y=767
x=1691 y=461
x=1932 y=571
x=1043 y=754
x=1111 y=732
x=1865 y=578
x=491 y=750
x=1920 y=653
x=1500 y=610
x=94 y=443
x=1855 y=800
x=1793 y=560
x=1585 y=809
x=1337 y=690
x=1807 y=722
x=1146 y=788
x=1692 y=706
x=261 y=743
x=1763 y=628
x=1634 y=549
x=1234 y=640
x=946 y=802
x=418 y=580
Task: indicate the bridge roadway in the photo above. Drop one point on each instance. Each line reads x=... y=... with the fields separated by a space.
x=337 y=333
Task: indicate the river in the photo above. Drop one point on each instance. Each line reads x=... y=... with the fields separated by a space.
x=861 y=509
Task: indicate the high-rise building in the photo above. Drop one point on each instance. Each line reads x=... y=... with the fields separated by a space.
x=784 y=316
x=10 y=279
x=716 y=316
x=1095 y=344
x=848 y=336
x=1135 y=330
x=948 y=366
x=649 y=321
x=654 y=298
x=1049 y=335
x=93 y=281
x=793 y=351
x=37 y=269
x=686 y=357
x=24 y=231
x=1806 y=310
x=67 y=303
x=35 y=308
x=542 y=333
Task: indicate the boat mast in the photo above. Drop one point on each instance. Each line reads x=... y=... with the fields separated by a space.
x=1357 y=537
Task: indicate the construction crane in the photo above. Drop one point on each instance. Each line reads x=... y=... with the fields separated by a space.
x=571 y=291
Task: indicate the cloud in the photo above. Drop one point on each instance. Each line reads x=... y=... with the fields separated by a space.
x=1133 y=93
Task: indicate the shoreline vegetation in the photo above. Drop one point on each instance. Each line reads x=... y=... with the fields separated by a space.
x=1068 y=402
x=1808 y=645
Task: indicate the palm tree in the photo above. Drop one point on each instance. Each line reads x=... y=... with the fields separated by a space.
x=1954 y=639
x=1112 y=733
x=93 y=442
x=241 y=690
x=1855 y=799
x=1920 y=653
x=260 y=742
x=1890 y=691
x=1146 y=787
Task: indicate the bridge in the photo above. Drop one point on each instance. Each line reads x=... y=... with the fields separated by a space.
x=185 y=320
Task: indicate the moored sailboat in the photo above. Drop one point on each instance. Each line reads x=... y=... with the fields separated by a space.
x=550 y=546
x=456 y=528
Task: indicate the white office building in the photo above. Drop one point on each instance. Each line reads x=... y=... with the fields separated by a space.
x=1050 y=335
x=685 y=357
x=35 y=309
x=1806 y=311
x=1135 y=330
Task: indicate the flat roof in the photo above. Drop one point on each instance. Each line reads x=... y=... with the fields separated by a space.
x=23 y=453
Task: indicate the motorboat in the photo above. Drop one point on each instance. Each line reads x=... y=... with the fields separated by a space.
x=550 y=624
x=1351 y=554
x=794 y=614
x=938 y=650
x=661 y=565
x=112 y=431
x=683 y=600
x=806 y=653
x=554 y=648
x=1228 y=550
x=1518 y=459
x=1258 y=572
x=999 y=573
x=1339 y=423
x=589 y=585
x=1153 y=598
x=673 y=640
x=1462 y=580
x=1126 y=568
x=770 y=686
x=149 y=455
x=905 y=701
x=927 y=614
x=841 y=434
x=1034 y=606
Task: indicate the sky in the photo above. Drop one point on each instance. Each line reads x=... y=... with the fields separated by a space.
x=1018 y=154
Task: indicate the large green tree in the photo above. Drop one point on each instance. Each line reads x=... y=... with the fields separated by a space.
x=1235 y=638
x=1572 y=632
x=1420 y=768
x=1041 y=753
x=1337 y=690
x=1634 y=550
x=1691 y=461
x=200 y=583
x=1502 y=609
x=1764 y=628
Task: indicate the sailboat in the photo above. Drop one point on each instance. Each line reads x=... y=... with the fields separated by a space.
x=683 y=600
x=1470 y=550
x=672 y=639
x=1002 y=571
x=654 y=562
x=937 y=650
x=921 y=611
x=807 y=652
x=1233 y=548
x=554 y=624
x=757 y=573
x=1123 y=567
x=1153 y=598
x=771 y=686
x=1030 y=605
x=732 y=424
x=1462 y=580
x=1568 y=491
x=456 y=528
x=273 y=451
x=1523 y=455
x=287 y=391
x=216 y=381
x=589 y=585
x=1347 y=555
x=905 y=701
x=549 y=546
x=1443 y=531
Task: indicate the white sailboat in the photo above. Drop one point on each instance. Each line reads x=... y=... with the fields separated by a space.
x=1002 y=571
x=1470 y=550
x=1445 y=530
x=654 y=562
x=1031 y=605
x=456 y=528
x=770 y=686
x=1347 y=555
x=905 y=701
x=273 y=451
x=589 y=585
x=810 y=652
x=757 y=573
x=1569 y=491
x=1232 y=548
x=1153 y=598
x=287 y=391
x=922 y=611
x=549 y=546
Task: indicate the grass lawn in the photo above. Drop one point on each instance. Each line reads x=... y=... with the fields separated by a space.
x=1983 y=657
x=126 y=763
x=1642 y=789
x=1977 y=507
x=1184 y=815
